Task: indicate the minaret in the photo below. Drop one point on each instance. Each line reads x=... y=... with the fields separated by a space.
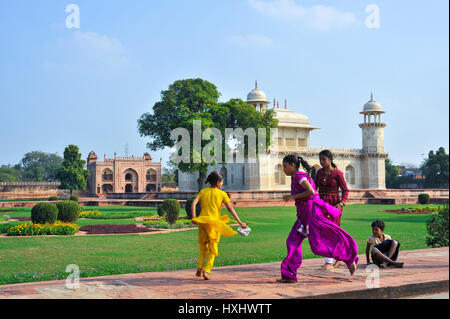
x=373 y=173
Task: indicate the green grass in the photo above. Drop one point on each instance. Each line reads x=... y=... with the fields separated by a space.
x=24 y=259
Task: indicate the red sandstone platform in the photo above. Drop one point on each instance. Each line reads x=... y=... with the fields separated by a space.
x=426 y=272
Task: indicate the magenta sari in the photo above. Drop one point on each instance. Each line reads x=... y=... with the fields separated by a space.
x=325 y=237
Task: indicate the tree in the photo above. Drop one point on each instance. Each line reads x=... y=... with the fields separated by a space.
x=38 y=166
x=436 y=169
x=72 y=174
x=10 y=174
x=195 y=99
x=392 y=173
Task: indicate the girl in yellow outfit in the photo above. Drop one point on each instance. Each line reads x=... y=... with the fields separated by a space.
x=211 y=226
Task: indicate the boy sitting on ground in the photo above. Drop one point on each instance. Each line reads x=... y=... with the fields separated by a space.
x=384 y=249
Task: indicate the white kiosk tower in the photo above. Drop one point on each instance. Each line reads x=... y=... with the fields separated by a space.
x=373 y=146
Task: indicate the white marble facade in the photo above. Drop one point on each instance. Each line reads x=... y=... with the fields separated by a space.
x=363 y=168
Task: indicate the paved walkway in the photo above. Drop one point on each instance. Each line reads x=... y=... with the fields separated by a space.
x=426 y=272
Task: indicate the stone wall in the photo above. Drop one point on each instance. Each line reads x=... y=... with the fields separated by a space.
x=34 y=190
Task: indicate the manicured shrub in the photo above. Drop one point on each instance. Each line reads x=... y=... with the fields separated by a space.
x=31 y=229
x=188 y=208
x=75 y=198
x=171 y=207
x=44 y=213
x=424 y=198
x=160 y=210
x=68 y=211
x=437 y=229
x=53 y=198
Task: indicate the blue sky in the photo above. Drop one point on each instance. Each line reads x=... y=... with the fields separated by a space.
x=88 y=86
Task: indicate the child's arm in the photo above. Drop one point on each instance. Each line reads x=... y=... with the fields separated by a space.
x=368 y=254
x=308 y=192
x=230 y=208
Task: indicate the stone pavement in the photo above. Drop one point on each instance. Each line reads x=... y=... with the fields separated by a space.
x=426 y=272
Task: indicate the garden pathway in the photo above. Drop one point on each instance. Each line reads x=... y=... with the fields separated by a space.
x=426 y=271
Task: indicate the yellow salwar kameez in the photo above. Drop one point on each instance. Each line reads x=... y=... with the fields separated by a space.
x=211 y=226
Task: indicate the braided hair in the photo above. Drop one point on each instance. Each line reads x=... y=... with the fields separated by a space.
x=328 y=154
x=214 y=178
x=298 y=160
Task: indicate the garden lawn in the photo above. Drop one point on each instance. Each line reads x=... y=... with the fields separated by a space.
x=24 y=259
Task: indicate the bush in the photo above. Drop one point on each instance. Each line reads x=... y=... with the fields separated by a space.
x=437 y=229
x=31 y=229
x=424 y=198
x=74 y=198
x=68 y=211
x=53 y=198
x=171 y=208
x=160 y=210
x=189 y=209
x=44 y=213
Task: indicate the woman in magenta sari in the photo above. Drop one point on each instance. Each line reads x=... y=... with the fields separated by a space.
x=329 y=180
x=325 y=237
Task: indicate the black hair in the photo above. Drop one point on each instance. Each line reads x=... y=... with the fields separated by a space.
x=214 y=178
x=297 y=160
x=328 y=154
x=379 y=224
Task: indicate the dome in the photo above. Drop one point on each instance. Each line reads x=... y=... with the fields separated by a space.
x=257 y=95
x=290 y=118
x=373 y=106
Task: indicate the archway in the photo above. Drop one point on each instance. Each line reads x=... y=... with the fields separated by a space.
x=280 y=177
x=151 y=188
x=151 y=175
x=107 y=174
x=128 y=188
x=350 y=174
x=130 y=177
x=107 y=188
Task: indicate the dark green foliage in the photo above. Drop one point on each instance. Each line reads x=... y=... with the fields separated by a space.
x=68 y=211
x=436 y=169
x=392 y=173
x=39 y=166
x=72 y=174
x=424 y=198
x=74 y=198
x=53 y=198
x=160 y=210
x=171 y=208
x=437 y=229
x=188 y=208
x=44 y=213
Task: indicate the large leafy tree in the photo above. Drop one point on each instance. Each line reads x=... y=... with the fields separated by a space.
x=10 y=174
x=72 y=174
x=196 y=99
x=392 y=173
x=436 y=169
x=38 y=166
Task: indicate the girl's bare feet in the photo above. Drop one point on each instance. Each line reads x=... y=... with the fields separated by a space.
x=352 y=268
x=327 y=266
x=286 y=281
x=198 y=273
x=205 y=276
x=339 y=263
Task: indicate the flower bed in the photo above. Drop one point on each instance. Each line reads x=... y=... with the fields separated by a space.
x=114 y=229
x=418 y=211
x=30 y=229
x=90 y=214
